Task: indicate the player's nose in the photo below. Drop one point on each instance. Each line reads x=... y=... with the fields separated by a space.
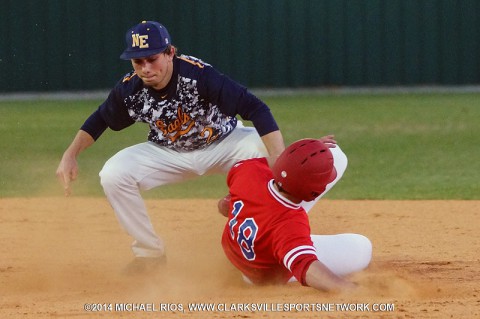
x=145 y=68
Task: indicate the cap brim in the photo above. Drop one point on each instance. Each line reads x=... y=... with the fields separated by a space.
x=128 y=55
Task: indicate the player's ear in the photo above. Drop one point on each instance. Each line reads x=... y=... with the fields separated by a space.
x=171 y=51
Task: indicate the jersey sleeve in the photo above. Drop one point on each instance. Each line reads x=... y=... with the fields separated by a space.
x=113 y=110
x=111 y=113
x=298 y=260
x=293 y=246
x=95 y=125
x=233 y=98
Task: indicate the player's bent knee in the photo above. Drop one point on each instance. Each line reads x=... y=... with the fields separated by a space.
x=107 y=180
x=363 y=249
x=112 y=176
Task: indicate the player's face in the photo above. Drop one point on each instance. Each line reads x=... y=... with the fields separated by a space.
x=155 y=70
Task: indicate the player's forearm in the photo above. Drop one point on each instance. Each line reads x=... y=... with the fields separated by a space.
x=81 y=141
x=274 y=143
x=320 y=277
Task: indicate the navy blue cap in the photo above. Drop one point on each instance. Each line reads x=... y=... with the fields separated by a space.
x=145 y=39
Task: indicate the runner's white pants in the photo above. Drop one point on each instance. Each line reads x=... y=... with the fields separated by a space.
x=145 y=166
x=343 y=254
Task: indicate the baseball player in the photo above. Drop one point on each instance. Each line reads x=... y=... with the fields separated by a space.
x=191 y=110
x=267 y=236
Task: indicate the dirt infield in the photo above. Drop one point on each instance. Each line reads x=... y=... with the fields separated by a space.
x=59 y=256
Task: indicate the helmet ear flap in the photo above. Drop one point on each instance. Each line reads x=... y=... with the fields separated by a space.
x=304 y=169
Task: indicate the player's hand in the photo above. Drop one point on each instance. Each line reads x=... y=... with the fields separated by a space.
x=329 y=140
x=224 y=205
x=67 y=172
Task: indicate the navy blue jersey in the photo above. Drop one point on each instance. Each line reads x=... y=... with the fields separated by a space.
x=197 y=107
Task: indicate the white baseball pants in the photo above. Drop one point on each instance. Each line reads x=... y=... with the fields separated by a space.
x=343 y=254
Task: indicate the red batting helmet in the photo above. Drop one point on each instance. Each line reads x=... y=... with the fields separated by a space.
x=304 y=169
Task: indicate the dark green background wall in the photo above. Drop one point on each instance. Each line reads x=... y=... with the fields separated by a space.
x=73 y=45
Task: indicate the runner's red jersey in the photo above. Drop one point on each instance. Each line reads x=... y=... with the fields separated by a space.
x=267 y=237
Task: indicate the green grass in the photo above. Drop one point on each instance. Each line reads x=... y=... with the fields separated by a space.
x=400 y=146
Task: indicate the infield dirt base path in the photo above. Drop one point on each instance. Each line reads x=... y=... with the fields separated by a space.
x=60 y=255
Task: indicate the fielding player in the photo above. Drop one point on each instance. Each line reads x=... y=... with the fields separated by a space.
x=267 y=236
x=191 y=110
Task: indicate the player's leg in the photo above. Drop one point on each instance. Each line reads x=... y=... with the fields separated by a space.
x=340 y=162
x=140 y=167
x=242 y=143
x=343 y=254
